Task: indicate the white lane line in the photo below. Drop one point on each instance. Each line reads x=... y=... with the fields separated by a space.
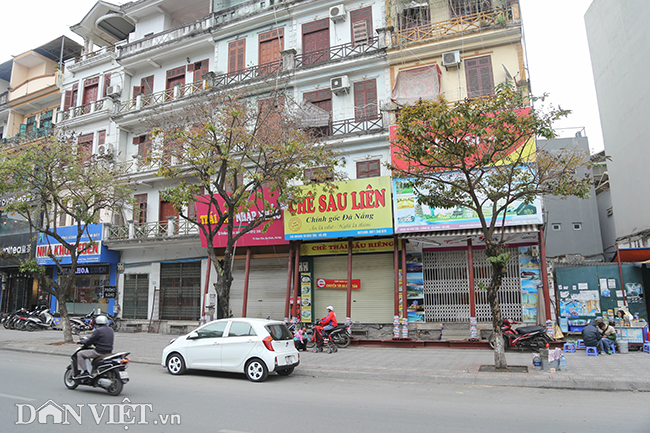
x=15 y=397
x=230 y=431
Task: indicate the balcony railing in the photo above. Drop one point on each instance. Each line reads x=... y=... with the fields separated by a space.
x=97 y=53
x=247 y=74
x=461 y=24
x=142 y=101
x=82 y=110
x=335 y=53
x=34 y=134
x=174 y=226
x=348 y=126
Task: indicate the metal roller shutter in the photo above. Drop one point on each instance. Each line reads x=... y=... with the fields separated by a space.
x=267 y=288
x=374 y=302
x=136 y=296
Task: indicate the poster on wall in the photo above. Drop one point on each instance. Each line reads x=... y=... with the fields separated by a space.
x=306 y=300
x=414 y=288
x=582 y=303
x=634 y=293
x=531 y=281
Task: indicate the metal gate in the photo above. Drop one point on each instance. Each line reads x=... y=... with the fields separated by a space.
x=136 y=296
x=180 y=291
x=446 y=286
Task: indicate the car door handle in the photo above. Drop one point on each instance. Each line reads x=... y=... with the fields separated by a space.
x=216 y=343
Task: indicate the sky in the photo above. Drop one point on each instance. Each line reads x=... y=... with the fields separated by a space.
x=554 y=33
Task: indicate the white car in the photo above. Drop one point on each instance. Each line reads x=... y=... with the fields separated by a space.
x=254 y=347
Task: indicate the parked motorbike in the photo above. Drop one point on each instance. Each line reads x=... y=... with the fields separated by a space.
x=17 y=319
x=109 y=372
x=534 y=336
x=40 y=319
x=87 y=322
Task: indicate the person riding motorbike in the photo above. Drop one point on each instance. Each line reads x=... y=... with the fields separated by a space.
x=328 y=322
x=102 y=339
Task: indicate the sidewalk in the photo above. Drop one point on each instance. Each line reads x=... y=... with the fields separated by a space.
x=621 y=372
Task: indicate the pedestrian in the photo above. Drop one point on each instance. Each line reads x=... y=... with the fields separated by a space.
x=300 y=339
x=592 y=338
x=608 y=334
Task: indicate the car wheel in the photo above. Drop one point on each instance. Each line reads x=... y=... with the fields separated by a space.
x=175 y=364
x=256 y=370
x=116 y=386
x=70 y=383
x=286 y=372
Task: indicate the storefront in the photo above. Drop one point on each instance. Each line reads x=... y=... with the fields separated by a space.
x=95 y=276
x=447 y=264
x=345 y=252
x=18 y=290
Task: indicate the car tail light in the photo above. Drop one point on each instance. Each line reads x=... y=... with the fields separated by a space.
x=268 y=343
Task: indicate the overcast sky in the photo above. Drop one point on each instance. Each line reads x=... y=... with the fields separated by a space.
x=554 y=31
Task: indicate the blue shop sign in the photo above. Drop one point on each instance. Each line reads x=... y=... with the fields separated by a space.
x=91 y=248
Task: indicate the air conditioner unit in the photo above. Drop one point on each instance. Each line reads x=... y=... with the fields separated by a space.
x=337 y=13
x=101 y=149
x=340 y=85
x=451 y=59
x=113 y=90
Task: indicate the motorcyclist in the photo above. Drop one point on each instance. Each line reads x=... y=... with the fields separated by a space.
x=102 y=339
x=328 y=322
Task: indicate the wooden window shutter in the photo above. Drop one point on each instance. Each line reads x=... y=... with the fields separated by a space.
x=67 y=100
x=101 y=137
x=368 y=169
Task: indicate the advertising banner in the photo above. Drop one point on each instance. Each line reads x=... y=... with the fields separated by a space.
x=327 y=283
x=411 y=216
x=91 y=249
x=330 y=248
x=274 y=235
x=360 y=207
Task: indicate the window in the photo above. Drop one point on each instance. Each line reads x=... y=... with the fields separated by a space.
x=236 y=56
x=577 y=226
x=199 y=68
x=101 y=137
x=145 y=87
x=368 y=169
x=70 y=99
x=556 y=227
x=414 y=16
x=213 y=330
x=175 y=77
x=271 y=45
x=85 y=146
x=316 y=42
x=458 y=8
x=361 y=26
x=240 y=329
x=319 y=122
x=91 y=90
x=62 y=216
x=319 y=174
x=46 y=119
x=365 y=100
x=31 y=123
x=140 y=210
x=478 y=72
x=107 y=83
x=144 y=145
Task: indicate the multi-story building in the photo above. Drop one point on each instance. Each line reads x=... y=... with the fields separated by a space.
x=29 y=100
x=615 y=31
x=349 y=65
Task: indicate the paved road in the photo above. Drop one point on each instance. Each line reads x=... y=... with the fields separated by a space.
x=622 y=372
x=229 y=403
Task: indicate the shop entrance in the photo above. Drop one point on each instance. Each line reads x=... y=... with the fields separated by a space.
x=136 y=296
x=446 y=286
x=180 y=291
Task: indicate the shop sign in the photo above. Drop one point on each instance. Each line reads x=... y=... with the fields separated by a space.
x=109 y=292
x=90 y=250
x=91 y=270
x=326 y=283
x=354 y=208
x=274 y=235
x=16 y=245
x=412 y=216
x=365 y=246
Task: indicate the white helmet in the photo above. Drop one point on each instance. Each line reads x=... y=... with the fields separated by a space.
x=101 y=320
x=330 y=308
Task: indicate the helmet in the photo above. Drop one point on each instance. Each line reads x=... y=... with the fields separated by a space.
x=330 y=308
x=101 y=320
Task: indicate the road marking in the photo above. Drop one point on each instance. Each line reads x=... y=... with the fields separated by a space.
x=230 y=431
x=15 y=397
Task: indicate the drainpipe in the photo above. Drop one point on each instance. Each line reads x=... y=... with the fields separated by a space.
x=246 y=275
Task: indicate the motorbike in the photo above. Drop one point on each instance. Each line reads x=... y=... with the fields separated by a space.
x=339 y=336
x=40 y=320
x=87 y=323
x=534 y=336
x=109 y=372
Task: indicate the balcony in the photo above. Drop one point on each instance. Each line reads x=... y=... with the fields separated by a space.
x=90 y=59
x=82 y=110
x=459 y=25
x=337 y=52
x=167 y=95
x=32 y=135
x=348 y=126
x=174 y=227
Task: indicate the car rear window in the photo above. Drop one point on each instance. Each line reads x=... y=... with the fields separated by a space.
x=279 y=331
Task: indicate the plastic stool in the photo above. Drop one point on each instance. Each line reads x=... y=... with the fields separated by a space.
x=569 y=348
x=646 y=347
x=580 y=344
x=592 y=351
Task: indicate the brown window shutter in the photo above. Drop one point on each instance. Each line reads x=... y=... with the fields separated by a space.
x=67 y=101
x=101 y=137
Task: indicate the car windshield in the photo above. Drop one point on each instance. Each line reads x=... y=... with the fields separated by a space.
x=279 y=331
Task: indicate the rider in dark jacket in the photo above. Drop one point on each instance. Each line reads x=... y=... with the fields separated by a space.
x=592 y=337
x=102 y=338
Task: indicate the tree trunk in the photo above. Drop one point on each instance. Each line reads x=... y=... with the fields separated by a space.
x=498 y=271
x=222 y=286
x=65 y=319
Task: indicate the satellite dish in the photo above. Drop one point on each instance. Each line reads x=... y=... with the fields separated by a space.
x=508 y=76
